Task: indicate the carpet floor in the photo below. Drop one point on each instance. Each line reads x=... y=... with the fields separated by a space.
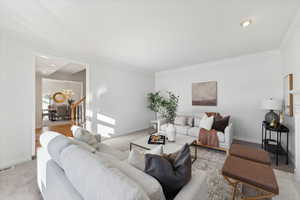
x=19 y=183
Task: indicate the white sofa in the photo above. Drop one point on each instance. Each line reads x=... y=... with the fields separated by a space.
x=77 y=171
x=225 y=139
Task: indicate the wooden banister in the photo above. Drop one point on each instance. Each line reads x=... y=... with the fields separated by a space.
x=78 y=112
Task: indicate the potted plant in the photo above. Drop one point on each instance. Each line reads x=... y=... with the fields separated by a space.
x=166 y=105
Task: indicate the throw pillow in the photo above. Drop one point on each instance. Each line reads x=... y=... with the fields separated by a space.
x=137 y=158
x=206 y=122
x=197 y=120
x=172 y=174
x=221 y=123
x=190 y=121
x=180 y=120
x=84 y=135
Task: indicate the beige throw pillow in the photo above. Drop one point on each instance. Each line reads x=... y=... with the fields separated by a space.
x=180 y=120
x=206 y=122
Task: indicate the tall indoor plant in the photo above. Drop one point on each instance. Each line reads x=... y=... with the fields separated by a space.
x=164 y=104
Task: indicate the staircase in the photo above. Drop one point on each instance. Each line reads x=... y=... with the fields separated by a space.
x=78 y=112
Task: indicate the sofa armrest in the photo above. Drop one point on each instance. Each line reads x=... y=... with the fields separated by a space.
x=196 y=189
x=228 y=134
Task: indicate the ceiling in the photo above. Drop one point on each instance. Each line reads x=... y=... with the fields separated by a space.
x=49 y=65
x=152 y=35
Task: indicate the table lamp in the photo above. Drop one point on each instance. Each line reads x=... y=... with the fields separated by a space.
x=271 y=105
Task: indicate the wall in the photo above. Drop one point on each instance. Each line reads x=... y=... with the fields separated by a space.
x=124 y=99
x=290 y=49
x=117 y=103
x=17 y=101
x=51 y=86
x=243 y=82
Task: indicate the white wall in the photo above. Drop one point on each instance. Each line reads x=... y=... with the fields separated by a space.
x=50 y=86
x=290 y=50
x=119 y=96
x=17 y=79
x=243 y=82
x=125 y=99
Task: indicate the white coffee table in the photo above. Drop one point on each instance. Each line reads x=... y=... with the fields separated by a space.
x=168 y=147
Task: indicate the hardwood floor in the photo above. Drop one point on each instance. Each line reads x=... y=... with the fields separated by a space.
x=63 y=129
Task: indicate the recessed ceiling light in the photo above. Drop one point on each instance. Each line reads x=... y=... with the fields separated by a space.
x=53 y=65
x=246 y=23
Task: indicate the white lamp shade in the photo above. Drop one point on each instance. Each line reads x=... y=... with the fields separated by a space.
x=271 y=104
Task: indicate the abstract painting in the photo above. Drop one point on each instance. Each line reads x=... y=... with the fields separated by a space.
x=204 y=93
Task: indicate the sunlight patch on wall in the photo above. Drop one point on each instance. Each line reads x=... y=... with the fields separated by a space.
x=106 y=119
x=105 y=131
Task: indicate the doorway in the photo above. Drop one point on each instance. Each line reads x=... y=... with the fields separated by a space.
x=61 y=87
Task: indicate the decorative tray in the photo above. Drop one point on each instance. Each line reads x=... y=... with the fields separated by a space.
x=157 y=139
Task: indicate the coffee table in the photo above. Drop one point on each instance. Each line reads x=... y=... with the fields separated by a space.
x=168 y=147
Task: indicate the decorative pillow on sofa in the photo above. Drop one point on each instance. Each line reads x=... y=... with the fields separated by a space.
x=172 y=173
x=206 y=122
x=190 y=121
x=180 y=120
x=86 y=136
x=136 y=158
x=221 y=123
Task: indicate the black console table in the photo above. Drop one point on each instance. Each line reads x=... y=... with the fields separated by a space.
x=274 y=145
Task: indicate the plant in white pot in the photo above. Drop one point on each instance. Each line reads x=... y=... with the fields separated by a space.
x=166 y=105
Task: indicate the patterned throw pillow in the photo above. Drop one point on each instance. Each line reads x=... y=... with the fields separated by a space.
x=180 y=120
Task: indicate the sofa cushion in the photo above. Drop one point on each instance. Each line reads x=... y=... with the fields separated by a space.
x=93 y=177
x=104 y=148
x=181 y=129
x=194 y=132
x=150 y=185
x=180 y=120
x=221 y=136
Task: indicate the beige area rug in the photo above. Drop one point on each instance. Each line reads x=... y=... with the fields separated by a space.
x=20 y=182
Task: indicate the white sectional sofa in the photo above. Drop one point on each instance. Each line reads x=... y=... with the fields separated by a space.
x=77 y=171
x=192 y=129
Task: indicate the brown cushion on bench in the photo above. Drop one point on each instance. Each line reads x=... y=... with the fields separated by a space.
x=250 y=153
x=253 y=173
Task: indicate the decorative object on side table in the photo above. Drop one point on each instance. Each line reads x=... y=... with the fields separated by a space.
x=271 y=105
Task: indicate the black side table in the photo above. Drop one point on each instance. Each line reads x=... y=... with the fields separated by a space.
x=274 y=145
